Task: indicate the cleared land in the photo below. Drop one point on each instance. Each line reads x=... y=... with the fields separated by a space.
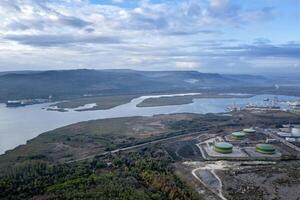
x=279 y=181
x=181 y=100
x=102 y=103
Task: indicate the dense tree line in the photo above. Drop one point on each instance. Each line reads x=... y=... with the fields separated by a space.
x=146 y=174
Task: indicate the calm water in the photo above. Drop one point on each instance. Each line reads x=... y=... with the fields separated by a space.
x=17 y=125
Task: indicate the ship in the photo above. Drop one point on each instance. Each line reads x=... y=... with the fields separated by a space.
x=15 y=103
x=27 y=102
x=294 y=103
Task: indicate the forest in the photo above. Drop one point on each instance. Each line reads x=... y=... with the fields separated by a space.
x=143 y=174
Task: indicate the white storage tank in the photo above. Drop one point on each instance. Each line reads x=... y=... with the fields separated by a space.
x=296 y=132
x=290 y=139
x=284 y=134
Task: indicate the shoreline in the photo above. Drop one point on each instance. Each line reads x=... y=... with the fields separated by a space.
x=186 y=99
x=34 y=120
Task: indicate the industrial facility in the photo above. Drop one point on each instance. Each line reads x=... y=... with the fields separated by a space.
x=238 y=135
x=248 y=144
x=249 y=130
x=265 y=148
x=290 y=133
x=294 y=104
x=223 y=147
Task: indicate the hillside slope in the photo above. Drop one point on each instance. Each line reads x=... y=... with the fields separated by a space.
x=73 y=83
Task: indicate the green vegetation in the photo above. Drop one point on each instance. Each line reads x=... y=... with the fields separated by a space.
x=168 y=101
x=107 y=102
x=40 y=169
x=103 y=102
x=93 y=137
x=180 y=100
x=146 y=174
x=67 y=84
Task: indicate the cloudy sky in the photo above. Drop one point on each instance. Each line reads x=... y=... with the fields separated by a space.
x=227 y=36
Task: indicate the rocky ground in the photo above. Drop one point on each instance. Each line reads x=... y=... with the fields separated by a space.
x=279 y=181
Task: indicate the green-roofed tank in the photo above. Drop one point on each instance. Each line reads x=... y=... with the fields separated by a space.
x=249 y=130
x=238 y=135
x=265 y=149
x=223 y=147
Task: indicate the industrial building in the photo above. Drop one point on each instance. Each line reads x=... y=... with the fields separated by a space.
x=284 y=134
x=295 y=131
x=290 y=132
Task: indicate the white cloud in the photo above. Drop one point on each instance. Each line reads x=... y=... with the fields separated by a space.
x=74 y=33
x=219 y=4
x=187 y=65
x=117 y=1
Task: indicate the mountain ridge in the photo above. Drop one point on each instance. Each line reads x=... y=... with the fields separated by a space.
x=68 y=83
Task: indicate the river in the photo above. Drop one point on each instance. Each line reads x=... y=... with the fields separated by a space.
x=17 y=125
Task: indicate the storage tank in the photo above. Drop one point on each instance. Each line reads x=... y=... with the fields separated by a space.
x=249 y=130
x=223 y=147
x=238 y=135
x=265 y=148
x=296 y=132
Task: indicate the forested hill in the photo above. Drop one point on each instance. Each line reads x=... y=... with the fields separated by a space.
x=69 y=83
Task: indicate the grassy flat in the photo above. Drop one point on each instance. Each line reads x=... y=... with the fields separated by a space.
x=103 y=102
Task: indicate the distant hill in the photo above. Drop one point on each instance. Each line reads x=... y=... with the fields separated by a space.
x=19 y=72
x=73 y=83
x=255 y=79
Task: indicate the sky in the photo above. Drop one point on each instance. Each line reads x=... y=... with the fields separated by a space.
x=218 y=36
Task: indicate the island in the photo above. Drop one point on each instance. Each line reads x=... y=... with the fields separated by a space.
x=186 y=99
